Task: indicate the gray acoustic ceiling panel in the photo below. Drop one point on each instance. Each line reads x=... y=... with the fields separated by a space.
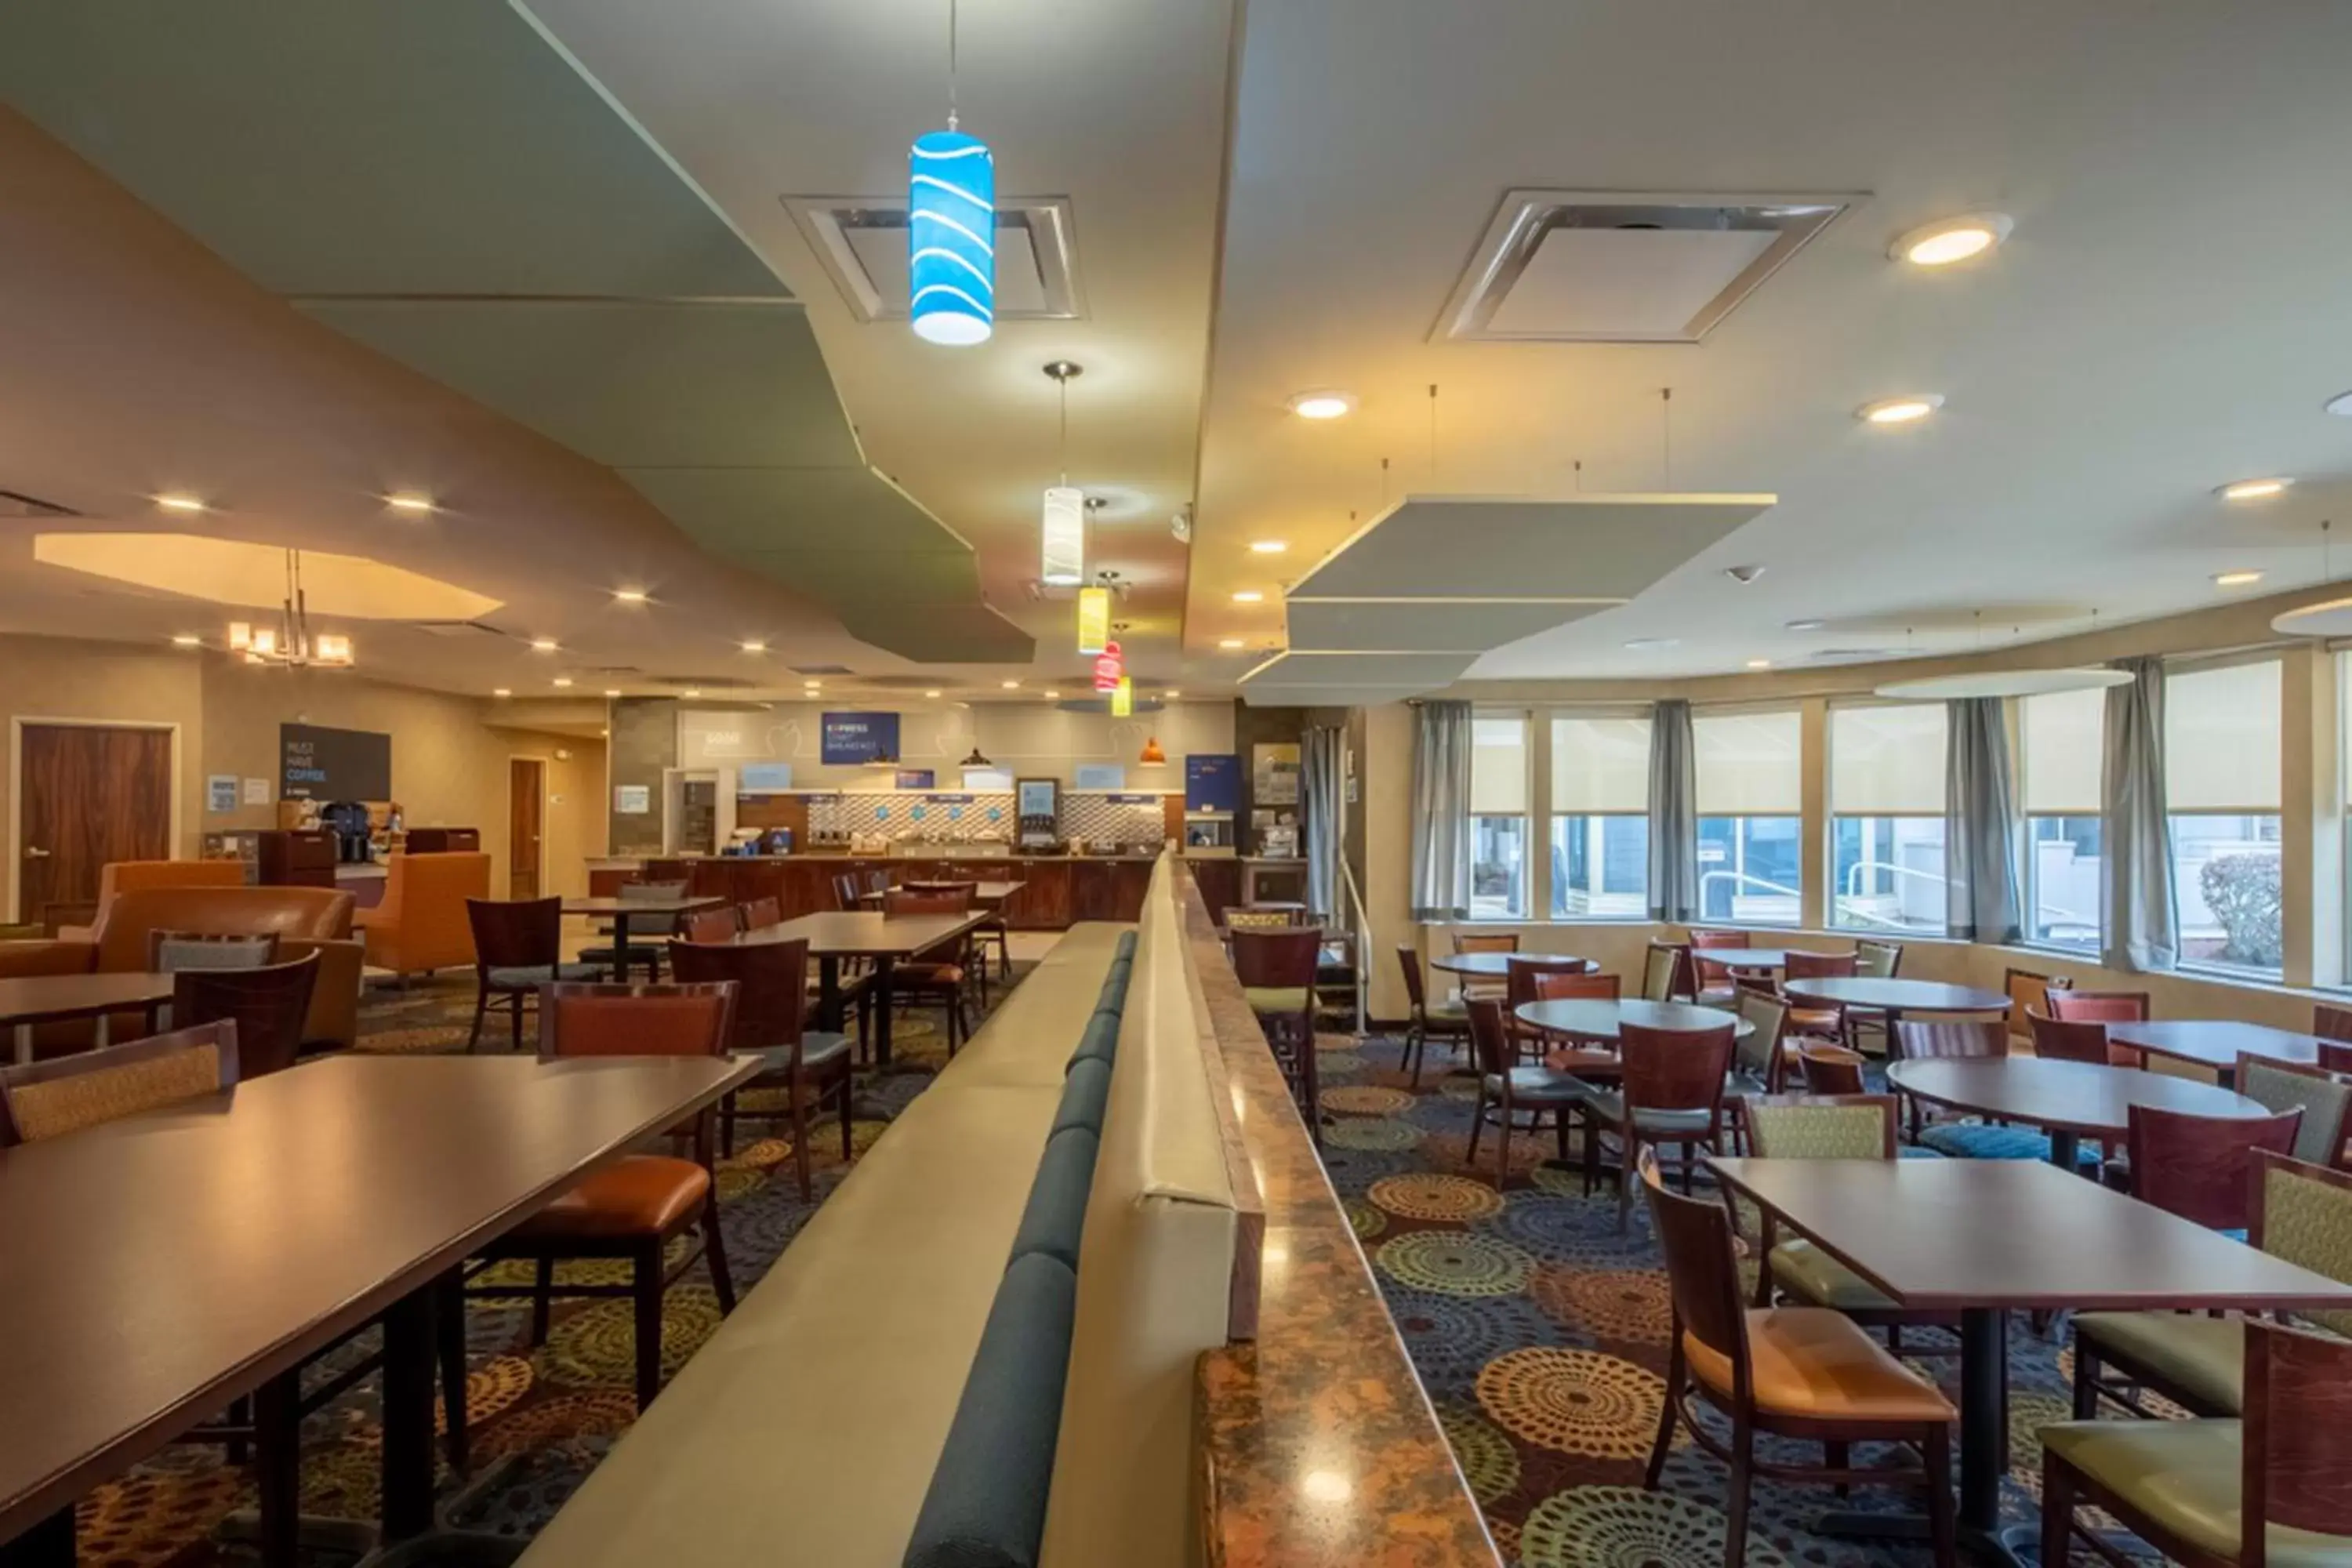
x=1296 y=679
x=1394 y=626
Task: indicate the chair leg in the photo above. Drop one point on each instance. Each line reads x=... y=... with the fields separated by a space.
x=514 y=1018
x=1626 y=1159
x=1838 y=1454
x=726 y=1128
x=1503 y=1143
x=1941 y=1528
x=2086 y=1380
x=845 y=1089
x=1415 y=1042
x=714 y=1252
x=1664 y=1441
x=1477 y=1125
x=1743 y=1458
x=647 y=1281
x=541 y=1296
x=481 y=1006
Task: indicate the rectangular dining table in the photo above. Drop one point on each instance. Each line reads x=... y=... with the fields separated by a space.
x=886 y=939
x=2216 y=1043
x=620 y=911
x=29 y=999
x=165 y=1264
x=1983 y=1238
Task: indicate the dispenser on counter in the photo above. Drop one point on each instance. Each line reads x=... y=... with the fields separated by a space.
x=1037 y=806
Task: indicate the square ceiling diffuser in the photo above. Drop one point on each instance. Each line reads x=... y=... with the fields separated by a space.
x=863 y=243
x=1624 y=268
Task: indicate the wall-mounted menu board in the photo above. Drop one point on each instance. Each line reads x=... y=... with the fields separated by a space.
x=318 y=764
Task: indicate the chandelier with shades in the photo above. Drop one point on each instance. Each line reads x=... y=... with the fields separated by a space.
x=290 y=642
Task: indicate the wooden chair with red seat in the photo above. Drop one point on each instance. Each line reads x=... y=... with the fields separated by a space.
x=634 y=1207
x=2072 y=1006
x=2028 y=991
x=1519 y=989
x=1831 y=1069
x=1276 y=968
x=761 y=914
x=2074 y=1040
x=2330 y=1022
x=269 y=1005
x=1821 y=1023
x=711 y=925
x=1670 y=1090
x=1947 y=1039
x=1482 y=941
x=1506 y=1088
x=771 y=981
x=1588 y=1059
x=518 y=947
x=2198 y=1167
x=933 y=982
x=1445 y=1021
x=1806 y=1373
x=1716 y=984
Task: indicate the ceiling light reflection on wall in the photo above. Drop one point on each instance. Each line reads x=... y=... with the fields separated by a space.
x=612 y=693
x=563 y=680
x=1900 y=410
x=1229 y=642
x=407 y=501
x=1323 y=405
x=630 y=595
x=932 y=694
x=2236 y=579
x=184 y=640
x=2254 y=490
x=1269 y=546
x=755 y=648
x=179 y=503
x=1248 y=596
x=1953 y=239
x=1759 y=664
x=1011 y=685
x=501 y=691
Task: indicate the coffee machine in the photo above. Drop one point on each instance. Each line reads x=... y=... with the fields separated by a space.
x=347 y=821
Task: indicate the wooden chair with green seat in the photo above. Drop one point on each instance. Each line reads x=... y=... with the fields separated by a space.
x=1506 y=1088
x=1276 y=969
x=2272 y=1489
x=771 y=981
x=1669 y=1090
x=2292 y=1210
x=1444 y=1020
x=1667 y=972
x=2324 y=1099
x=1757 y=1065
x=1519 y=989
x=1827 y=1127
x=1803 y=1372
x=1872 y=960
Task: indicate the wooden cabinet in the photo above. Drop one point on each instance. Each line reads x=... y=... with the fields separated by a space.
x=295 y=858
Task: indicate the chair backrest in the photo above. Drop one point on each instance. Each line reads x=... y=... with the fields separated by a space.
x=507 y=934
x=2099 y=1007
x=1519 y=973
x=2029 y=992
x=1760 y=1050
x=1416 y=988
x=2324 y=1099
x=1951 y=1037
x=1821 y=1126
x=65 y=1094
x=1804 y=965
x=314 y=914
x=1566 y=985
x=877 y=880
x=1490 y=1042
x=2336 y=1056
x=123 y=876
x=1703 y=938
x=1485 y=941
x=845 y=890
x=2303 y=1212
x=1282 y=959
x=2297 y=1467
x=269 y=1006
x=770 y=980
x=1831 y=1070
x=1665 y=971
x=711 y=925
x=170 y=951
x=761 y=914
x=1877 y=960
x=1253 y=917
x=2196 y=1166
x=1674 y=1070
x=1701 y=1270
x=949 y=901
x=937 y=884
x=2068 y=1040
x=2330 y=1022
x=585 y=1020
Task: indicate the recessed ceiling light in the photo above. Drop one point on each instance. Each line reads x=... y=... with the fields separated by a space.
x=931 y=694
x=501 y=691
x=812 y=686
x=563 y=680
x=1953 y=239
x=611 y=693
x=691 y=691
x=1759 y=664
x=1900 y=410
x=2341 y=403
x=185 y=641
x=1324 y=405
x=1249 y=597
x=542 y=644
x=755 y=648
x=630 y=595
x=179 y=503
x=1805 y=626
x=1645 y=645
x=2253 y=489
x=1012 y=686
x=1269 y=546
x=409 y=503
x=2236 y=579
x=1171 y=695
x=1229 y=642
x=1052 y=697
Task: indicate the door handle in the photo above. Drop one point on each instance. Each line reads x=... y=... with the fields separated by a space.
x=33 y=853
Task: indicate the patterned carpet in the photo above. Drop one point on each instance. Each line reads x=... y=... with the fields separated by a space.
x=561 y=1406
x=1541 y=1333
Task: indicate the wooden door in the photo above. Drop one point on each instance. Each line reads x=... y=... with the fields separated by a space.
x=526 y=823
x=89 y=794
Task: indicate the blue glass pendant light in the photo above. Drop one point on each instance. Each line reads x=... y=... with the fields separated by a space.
x=951 y=229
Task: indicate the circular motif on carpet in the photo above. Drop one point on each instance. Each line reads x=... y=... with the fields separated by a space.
x=1489 y=1462
x=1324 y=1042
x=1433 y=1195
x=148 y=1519
x=1456 y=1263
x=766 y=1154
x=1460 y=1086
x=424 y=1041
x=521 y=1274
x=736 y=1183
x=1450 y=1151
x=603 y=1412
x=1450 y=1338
x=1338 y=1064
x=491 y=1389
x=1625 y=1527
x=1366 y=1218
x=1575 y=1229
x=1634 y=1306
x=598 y=1345
x=345 y=1481
x=1577 y=1402
x=1379 y=1134
x=1352 y=1169
x=1365 y=1099
x=1506 y=1536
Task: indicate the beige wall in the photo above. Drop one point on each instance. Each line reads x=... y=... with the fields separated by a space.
x=449 y=763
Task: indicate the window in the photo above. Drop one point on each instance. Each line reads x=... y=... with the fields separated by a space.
x=2222 y=787
x=1886 y=821
x=2062 y=737
x=1599 y=818
x=1499 y=816
x=1750 y=797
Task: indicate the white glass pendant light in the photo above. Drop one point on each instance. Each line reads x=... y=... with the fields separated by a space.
x=951 y=229
x=1064 y=523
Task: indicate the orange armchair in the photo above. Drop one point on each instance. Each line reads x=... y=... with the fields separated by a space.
x=421 y=924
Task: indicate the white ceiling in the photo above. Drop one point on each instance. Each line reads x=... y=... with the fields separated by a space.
x=2169 y=314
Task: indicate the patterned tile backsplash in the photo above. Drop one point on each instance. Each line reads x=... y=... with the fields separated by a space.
x=978 y=818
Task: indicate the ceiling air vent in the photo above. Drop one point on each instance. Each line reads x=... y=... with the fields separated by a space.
x=455 y=629
x=863 y=243
x=1624 y=267
x=16 y=503
x=821 y=670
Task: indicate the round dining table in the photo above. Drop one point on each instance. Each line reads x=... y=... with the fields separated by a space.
x=1893 y=997
x=1595 y=1019
x=1497 y=966
x=2069 y=1100
x=1744 y=960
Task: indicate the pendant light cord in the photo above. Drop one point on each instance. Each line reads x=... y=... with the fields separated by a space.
x=1666 y=435
x=1063 y=383
x=951 y=64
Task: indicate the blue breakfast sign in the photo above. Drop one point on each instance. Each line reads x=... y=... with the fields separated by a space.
x=850 y=739
x=1213 y=782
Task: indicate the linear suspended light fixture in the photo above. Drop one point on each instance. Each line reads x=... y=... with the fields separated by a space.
x=1093 y=619
x=951 y=229
x=1064 y=524
x=1122 y=698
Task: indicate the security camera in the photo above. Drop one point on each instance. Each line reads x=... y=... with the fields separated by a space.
x=1743 y=575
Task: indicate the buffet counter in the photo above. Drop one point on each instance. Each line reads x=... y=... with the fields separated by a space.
x=1058 y=892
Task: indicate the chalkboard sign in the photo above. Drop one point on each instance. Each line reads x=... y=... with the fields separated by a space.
x=316 y=763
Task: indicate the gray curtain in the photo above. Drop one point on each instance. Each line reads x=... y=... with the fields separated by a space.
x=1318 y=790
x=1979 y=823
x=1674 y=814
x=2141 y=920
x=1441 y=812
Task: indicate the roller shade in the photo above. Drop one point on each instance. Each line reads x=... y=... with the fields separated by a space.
x=2221 y=739
x=2063 y=738
x=1600 y=764
x=1888 y=761
x=1499 y=766
x=1749 y=764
